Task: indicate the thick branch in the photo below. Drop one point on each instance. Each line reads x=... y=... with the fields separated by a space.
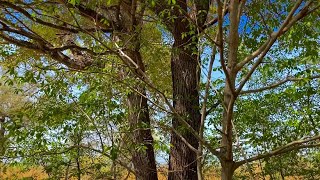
x=44 y=47
x=286 y=25
x=21 y=43
x=277 y=84
x=295 y=145
x=35 y=19
x=98 y=18
x=66 y=26
x=261 y=52
x=73 y=46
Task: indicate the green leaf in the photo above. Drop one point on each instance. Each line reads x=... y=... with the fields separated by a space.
x=113 y=153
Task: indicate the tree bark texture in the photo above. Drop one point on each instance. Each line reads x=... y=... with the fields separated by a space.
x=143 y=159
x=185 y=77
x=139 y=120
x=228 y=169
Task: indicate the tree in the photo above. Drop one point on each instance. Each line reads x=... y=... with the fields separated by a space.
x=123 y=21
x=186 y=23
x=255 y=42
x=185 y=71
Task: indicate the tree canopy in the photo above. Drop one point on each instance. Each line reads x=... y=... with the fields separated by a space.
x=152 y=89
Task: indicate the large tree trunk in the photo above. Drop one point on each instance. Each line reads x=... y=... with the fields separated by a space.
x=143 y=159
x=185 y=77
x=227 y=170
x=184 y=22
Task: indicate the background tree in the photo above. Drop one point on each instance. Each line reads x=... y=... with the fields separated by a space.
x=118 y=21
x=232 y=110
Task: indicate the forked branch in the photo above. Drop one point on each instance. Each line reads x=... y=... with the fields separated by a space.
x=263 y=50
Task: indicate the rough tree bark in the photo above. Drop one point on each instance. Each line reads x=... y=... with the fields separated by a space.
x=143 y=159
x=184 y=23
x=139 y=120
x=227 y=170
x=185 y=77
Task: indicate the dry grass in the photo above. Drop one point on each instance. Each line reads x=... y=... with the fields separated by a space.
x=38 y=173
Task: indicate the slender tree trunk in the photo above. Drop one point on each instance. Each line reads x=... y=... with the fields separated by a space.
x=229 y=96
x=139 y=120
x=282 y=174
x=2 y=132
x=227 y=163
x=143 y=159
x=78 y=169
x=185 y=78
x=226 y=142
x=66 y=177
x=281 y=170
